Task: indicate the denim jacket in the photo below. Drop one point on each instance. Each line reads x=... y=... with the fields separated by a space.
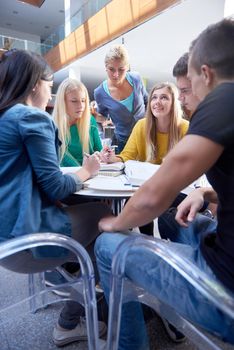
x=30 y=178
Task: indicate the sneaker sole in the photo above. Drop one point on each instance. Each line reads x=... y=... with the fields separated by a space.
x=66 y=341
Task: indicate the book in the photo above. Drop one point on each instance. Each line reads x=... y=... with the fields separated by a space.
x=110 y=173
x=138 y=172
x=111 y=169
x=118 y=166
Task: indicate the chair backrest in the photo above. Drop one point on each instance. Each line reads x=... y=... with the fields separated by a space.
x=124 y=290
x=88 y=293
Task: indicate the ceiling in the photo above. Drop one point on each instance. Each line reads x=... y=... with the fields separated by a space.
x=153 y=46
x=22 y=17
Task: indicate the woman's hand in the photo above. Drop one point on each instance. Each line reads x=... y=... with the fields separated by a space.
x=91 y=163
x=107 y=155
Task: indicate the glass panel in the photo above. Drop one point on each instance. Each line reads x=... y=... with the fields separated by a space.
x=87 y=10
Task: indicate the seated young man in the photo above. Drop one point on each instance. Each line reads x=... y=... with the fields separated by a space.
x=207 y=148
x=167 y=225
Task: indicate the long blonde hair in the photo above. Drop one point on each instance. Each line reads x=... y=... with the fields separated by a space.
x=175 y=122
x=62 y=119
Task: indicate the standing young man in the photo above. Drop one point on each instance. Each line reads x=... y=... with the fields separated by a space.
x=208 y=148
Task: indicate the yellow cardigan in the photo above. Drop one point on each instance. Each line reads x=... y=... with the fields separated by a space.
x=135 y=148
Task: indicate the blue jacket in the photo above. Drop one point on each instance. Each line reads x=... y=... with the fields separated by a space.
x=30 y=178
x=123 y=119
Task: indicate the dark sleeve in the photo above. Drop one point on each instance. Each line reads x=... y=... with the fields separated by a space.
x=213 y=118
x=40 y=139
x=101 y=108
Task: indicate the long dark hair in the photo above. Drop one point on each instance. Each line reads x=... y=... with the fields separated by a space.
x=19 y=73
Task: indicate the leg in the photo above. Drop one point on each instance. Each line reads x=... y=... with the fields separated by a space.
x=147 y=229
x=84 y=219
x=156 y=276
x=135 y=336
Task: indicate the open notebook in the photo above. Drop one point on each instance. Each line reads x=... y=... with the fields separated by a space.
x=138 y=172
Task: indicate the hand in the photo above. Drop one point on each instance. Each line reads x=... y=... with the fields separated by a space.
x=91 y=163
x=107 y=155
x=188 y=208
x=107 y=122
x=107 y=224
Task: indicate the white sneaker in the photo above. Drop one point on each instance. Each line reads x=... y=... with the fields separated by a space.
x=79 y=333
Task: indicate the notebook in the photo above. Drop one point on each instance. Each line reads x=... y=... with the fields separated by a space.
x=112 y=169
x=110 y=173
x=112 y=166
x=107 y=172
x=113 y=184
x=138 y=172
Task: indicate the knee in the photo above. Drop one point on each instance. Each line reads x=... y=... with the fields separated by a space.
x=105 y=246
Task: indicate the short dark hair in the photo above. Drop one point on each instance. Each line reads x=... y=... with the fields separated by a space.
x=20 y=71
x=180 y=69
x=214 y=47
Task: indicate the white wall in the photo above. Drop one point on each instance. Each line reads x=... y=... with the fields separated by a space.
x=155 y=46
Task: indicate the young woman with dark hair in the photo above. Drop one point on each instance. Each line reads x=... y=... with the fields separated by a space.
x=32 y=184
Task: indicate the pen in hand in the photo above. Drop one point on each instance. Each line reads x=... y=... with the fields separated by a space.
x=86 y=154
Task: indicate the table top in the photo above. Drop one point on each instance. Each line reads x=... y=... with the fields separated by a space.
x=104 y=194
x=119 y=187
x=107 y=187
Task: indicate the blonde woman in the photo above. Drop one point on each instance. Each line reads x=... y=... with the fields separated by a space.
x=162 y=127
x=78 y=130
x=122 y=97
x=154 y=136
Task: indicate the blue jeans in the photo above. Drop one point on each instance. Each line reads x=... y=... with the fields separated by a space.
x=156 y=276
x=170 y=229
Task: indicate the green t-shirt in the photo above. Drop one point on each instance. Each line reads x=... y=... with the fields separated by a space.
x=74 y=153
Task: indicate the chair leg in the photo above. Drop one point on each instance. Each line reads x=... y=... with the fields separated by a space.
x=115 y=310
x=36 y=286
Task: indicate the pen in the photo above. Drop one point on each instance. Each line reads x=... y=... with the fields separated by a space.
x=131 y=185
x=86 y=154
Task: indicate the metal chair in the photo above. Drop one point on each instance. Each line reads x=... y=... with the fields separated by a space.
x=81 y=289
x=123 y=290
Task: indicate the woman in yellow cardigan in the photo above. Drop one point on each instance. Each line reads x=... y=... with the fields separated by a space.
x=163 y=126
x=153 y=136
